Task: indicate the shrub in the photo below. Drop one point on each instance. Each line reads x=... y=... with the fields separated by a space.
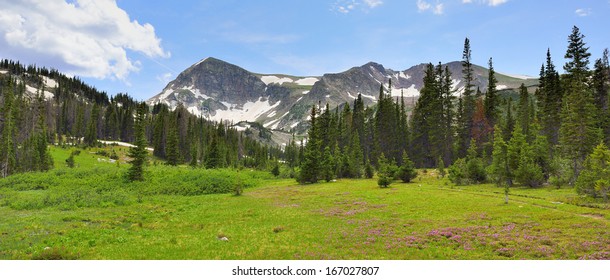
x=368 y=170
x=407 y=171
x=594 y=179
x=457 y=172
x=386 y=172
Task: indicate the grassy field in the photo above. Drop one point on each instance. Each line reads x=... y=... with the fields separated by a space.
x=91 y=212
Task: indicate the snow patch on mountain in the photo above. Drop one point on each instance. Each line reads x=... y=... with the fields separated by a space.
x=501 y=87
x=249 y=111
x=408 y=92
x=517 y=76
x=32 y=91
x=275 y=80
x=306 y=81
x=49 y=83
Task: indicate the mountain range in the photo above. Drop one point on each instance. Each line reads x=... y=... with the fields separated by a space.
x=221 y=91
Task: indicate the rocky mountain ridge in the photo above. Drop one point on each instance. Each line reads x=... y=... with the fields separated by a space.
x=219 y=91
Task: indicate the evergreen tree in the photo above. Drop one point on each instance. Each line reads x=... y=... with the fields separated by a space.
x=427 y=125
x=173 y=152
x=43 y=155
x=7 y=143
x=310 y=166
x=276 y=169
x=475 y=170
x=491 y=97
x=524 y=112
x=499 y=169
x=594 y=180
x=214 y=157
x=467 y=105
x=579 y=132
x=407 y=171
x=440 y=168
x=509 y=122
x=448 y=116
x=550 y=96
x=138 y=153
x=368 y=170
x=91 y=134
x=385 y=172
x=601 y=85
x=327 y=165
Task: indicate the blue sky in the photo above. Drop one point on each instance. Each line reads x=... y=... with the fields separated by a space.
x=137 y=46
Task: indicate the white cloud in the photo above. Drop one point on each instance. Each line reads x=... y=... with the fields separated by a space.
x=373 y=3
x=583 y=12
x=423 y=6
x=438 y=9
x=347 y=6
x=492 y=3
x=87 y=37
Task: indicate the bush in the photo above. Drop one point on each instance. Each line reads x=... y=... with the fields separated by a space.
x=529 y=173
x=368 y=170
x=463 y=172
x=594 y=179
x=386 y=172
x=407 y=171
x=475 y=171
x=457 y=172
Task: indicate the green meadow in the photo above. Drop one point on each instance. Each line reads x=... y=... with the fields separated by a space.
x=92 y=212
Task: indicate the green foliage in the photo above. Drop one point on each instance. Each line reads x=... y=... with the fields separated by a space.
x=275 y=171
x=469 y=170
x=457 y=172
x=594 y=180
x=407 y=171
x=499 y=170
x=70 y=160
x=386 y=172
x=328 y=163
x=138 y=154
x=368 y=170
x=560 y=172
x=440 y=168
x=529 y=173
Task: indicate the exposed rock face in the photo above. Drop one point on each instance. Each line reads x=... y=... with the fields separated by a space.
x=222 y=91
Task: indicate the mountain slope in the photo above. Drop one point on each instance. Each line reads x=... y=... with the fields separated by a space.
x=222 y=91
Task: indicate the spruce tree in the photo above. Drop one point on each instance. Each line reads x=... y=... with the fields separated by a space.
x=173 y=150
x=579 y=132
x=138 y=153
x=385 y=173
x=524 y=112
x=407 y=171
x=91 y=133
x=467 y=107
x=310 y=166
x=7 y=142
x=594 y=180
x=491 y=96
x=327 y=165
x=549 y=97
x=499 y=169
x=601 y=86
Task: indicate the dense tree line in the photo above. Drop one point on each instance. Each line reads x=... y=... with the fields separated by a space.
x=548 y=136
x=80 y=115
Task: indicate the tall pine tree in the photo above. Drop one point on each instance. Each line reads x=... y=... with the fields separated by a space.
x=138 y=153
x=579 y=132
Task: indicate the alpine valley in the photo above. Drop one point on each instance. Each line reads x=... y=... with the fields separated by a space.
x=221 y=91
